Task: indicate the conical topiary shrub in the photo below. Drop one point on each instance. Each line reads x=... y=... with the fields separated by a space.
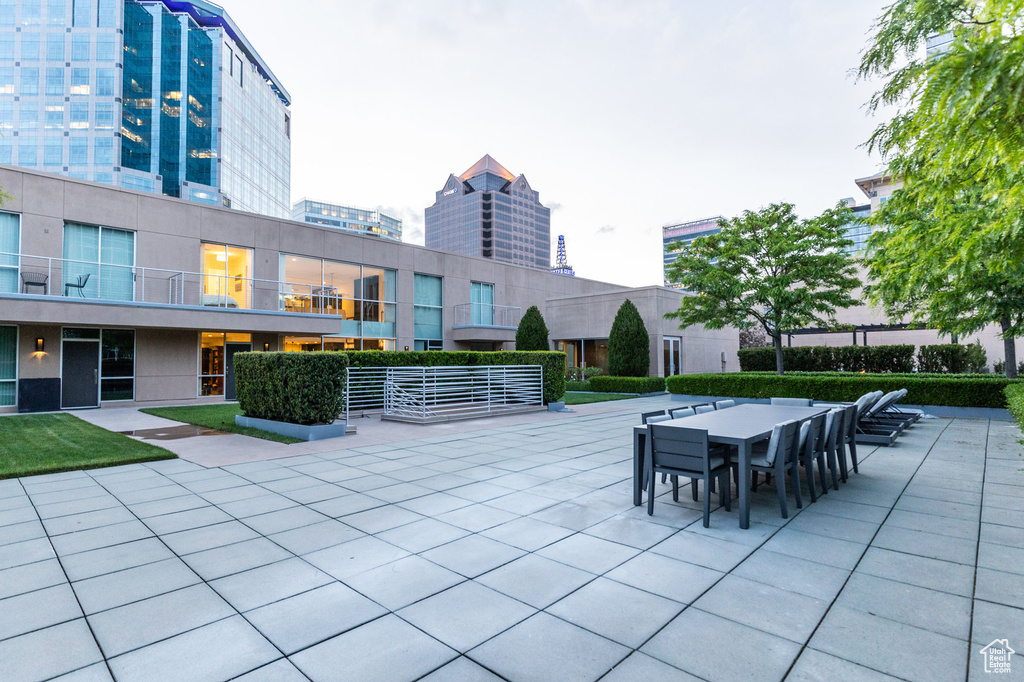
x=628 y=344
x=532 y=333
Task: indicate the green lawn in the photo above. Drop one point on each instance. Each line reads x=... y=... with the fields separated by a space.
x=584 y=398
x=47 y=443
x=220 y=417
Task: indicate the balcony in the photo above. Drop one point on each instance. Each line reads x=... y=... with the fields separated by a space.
x=485 y=322
x=199 y=300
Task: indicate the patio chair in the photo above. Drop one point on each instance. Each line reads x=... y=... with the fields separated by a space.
x=811 y=450
x=847 y=441
x=645 y=417
x=833 y=427
x=701 y=409
x=723 y=404
x=777 y=457
x=79 y=284
x=792 y=402
x=684 y=452
x=680 y=412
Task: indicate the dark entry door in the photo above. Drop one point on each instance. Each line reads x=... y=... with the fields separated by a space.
x=229 y=366
x=80 y=374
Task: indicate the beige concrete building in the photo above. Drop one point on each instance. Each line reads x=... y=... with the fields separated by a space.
x=115 y=296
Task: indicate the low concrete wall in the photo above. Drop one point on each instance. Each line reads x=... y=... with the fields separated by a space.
x=307 y=433
x=933 y=410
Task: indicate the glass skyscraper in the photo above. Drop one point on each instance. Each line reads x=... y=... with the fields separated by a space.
x=489 y=212
x=372 y=222
x=167 y=97
x=684 y=233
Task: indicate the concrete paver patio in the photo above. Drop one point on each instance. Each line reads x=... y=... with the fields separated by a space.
x=513 y=551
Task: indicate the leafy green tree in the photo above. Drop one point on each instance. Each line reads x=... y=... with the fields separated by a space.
x=768 y=268
x=629 y=346
x=532 y=333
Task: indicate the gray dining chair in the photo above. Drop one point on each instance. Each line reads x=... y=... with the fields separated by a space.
x=722 y=404
x=680 y=412
x=701 y=409
x=777 y=458
x=812 y=450
x=833 y=427
x=684 y=452
x=645 y=417
x=846 y=441
x=792 y=402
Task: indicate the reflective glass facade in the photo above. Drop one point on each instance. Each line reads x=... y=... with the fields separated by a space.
x=200 y=115
x=364 y=221
x=684 y=233
x=859 y=230
x=487 y=212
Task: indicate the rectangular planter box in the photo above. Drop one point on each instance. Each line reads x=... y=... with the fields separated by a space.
x=316 y=432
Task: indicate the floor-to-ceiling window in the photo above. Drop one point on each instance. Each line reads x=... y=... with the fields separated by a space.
x=8 y=365
x=213 y=359
x=481 y=298
x=99 y=262
x=428 y=313
x=10 y=246
x=227 y=276
x=117 y=364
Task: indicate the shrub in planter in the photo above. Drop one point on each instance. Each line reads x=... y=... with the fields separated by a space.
x=945 y=358
x=532 y=333
x=627 y=384
x=629 y=353
x=298 y=388
x=1015 y=401
x=895 y=358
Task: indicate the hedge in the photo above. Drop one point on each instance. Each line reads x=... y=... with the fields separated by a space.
x=874 y=359
x=1015 y=401
x=577 y=385
x=627 y=384
x=942 y=358
x=964 y=390
x=299 y=388
x=553 y=362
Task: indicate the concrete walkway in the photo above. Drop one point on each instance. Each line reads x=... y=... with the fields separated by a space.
x=513 y=552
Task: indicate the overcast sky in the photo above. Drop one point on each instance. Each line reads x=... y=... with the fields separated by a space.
x=624 y=114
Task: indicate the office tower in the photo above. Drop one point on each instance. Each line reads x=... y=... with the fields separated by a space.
x=685 y=233
x=372 y=222
x=167 y=97
x=489 y=212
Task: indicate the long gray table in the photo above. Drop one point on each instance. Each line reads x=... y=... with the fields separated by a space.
x=742 y=426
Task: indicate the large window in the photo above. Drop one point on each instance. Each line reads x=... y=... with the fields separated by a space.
x=363 y=296
x=481 y=298
x=10 y=244
x=99 y=262
x=293 y=344
x=227 y=276
x=117 y=365
x=8 y=365
x=428 y=315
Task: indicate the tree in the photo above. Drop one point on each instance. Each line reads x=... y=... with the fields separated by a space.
x=958 y=143
x=909 y=265
x=532 y=333
x=753 y=337
x=629 y=346
x=767 y=268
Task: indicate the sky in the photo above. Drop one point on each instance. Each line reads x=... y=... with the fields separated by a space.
x=625 y=115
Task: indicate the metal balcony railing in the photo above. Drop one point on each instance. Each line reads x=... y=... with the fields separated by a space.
x=487 y=315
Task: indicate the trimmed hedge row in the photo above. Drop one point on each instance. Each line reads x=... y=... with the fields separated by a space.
x=1015 y=401
x=627 y=384
x=874 y=359
x=553 y=362
x=965 y=390
x=298 y=388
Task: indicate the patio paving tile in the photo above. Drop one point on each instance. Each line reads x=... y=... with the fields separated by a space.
x=385 y=650
x=477 y=517
x=945 y=576
x=97 y=538
x=352 y=558
x=942 y=547
x=218 y=651
x=589 y=553
x=278 y=671
x=97 y=672
x=29 y=577
x=621 y=613
x=670 y=578
x=19 y=532
x=37 y=610
x=216 y=563
x=193 y=518
x=208 y=537
x=815 y=666
x=47 y=653
x=270 y=583
x=141 y=623
x=466 y=615
x=772 y=609
x=284 y=519
x=527 y=534
x=633 y=532
x=134 y=584
x=315 y=537
x=694 y=641
x=461 y=670
x=419 y=536
x=890 y=647
x=404 y=582
x=298 y=622
x=939 y=612
x=473 y=555
x=535 y=580
x=117 y=558
x=720 y=555
x=817 y=548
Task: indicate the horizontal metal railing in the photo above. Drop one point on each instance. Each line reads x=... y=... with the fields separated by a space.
x=487 y=315
x=427 y=392
x=78 y=279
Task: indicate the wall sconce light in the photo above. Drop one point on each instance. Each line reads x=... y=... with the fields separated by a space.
x=40 y=345
x=407 y=347
x=266 y=347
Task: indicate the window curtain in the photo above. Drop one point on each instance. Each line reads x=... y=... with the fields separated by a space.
x=81 y=257
x=482 y=300
x=9 y=238
x=117 y=261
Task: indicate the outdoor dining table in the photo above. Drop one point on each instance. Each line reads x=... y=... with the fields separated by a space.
x=742 y=426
